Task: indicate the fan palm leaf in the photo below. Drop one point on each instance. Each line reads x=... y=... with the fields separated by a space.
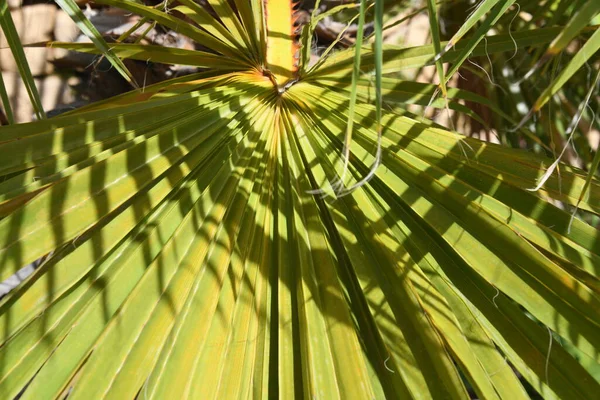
x=188 y=256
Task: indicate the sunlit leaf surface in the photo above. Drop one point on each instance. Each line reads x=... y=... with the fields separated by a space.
x=189 y=255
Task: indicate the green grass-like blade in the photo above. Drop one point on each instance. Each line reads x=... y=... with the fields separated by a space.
x=157 y=54
x=481 y=9
x=353 y=87
x=437 y=44
x=595 y=162
x=575 y=25
x=12 y=37
x=6 y=102
x=89 y=30
x=479 y=35
x=398 y=58
x=378 y=71
x=584 y=54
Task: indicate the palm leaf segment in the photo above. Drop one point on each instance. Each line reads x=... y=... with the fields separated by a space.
x=188 y=258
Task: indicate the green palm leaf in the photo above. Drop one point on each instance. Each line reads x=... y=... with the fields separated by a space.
x=188 y=257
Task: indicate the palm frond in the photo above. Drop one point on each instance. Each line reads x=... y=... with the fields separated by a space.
x=187 y=256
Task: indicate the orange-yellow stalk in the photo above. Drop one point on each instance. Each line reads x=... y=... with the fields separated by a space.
x=281 y=47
